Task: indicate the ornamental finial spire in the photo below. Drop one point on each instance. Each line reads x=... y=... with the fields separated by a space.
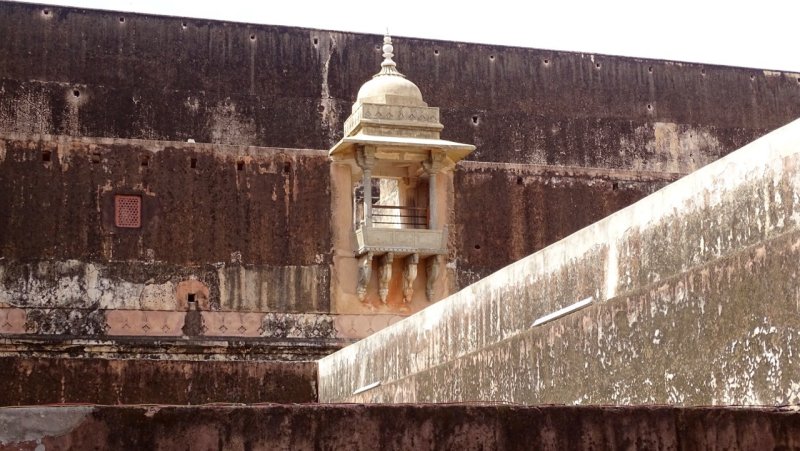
x=388 y=66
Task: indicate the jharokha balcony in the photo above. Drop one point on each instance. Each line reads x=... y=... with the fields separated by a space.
x=400 y=230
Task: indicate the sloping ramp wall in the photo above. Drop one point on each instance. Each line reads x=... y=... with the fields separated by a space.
x=695 y=301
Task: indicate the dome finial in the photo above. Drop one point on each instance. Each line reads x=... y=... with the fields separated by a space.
x=388 y=66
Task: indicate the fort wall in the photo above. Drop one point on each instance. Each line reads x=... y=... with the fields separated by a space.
x=96 y=104
x=91 y=73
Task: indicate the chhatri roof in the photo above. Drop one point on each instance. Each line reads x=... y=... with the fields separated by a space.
x=389 y=112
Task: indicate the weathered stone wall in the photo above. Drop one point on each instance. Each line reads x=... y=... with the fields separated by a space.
x=246 y=230
x=97 y=103
x=201 y=203
x=36 y=381
x=402 y=427
x=95 y=73
x=218 y=223
x=109 y=74
x=504 y=212
x=695 y=300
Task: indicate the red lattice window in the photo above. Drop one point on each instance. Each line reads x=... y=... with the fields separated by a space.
x=128 y=211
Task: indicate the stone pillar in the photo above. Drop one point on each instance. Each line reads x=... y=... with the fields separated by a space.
x=365 y=157
x=432 y=166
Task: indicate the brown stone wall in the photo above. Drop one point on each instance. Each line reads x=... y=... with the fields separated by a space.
x=396 y=427
x=563 y=139
x=246 y=229
x=109 y=74
x=34 y=381
x=201 y=203
x=505 y=212
x=242 y=229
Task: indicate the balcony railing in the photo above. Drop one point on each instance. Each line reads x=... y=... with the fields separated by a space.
x=400 y=217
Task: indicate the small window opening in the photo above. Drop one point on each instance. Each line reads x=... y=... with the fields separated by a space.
x=650 y=69
x=475 y=120
x=193 y=163
x=76 y=93
x=597 y=65
x=145 y=160
x=547 y=61
x=240 y=166
x=436 y=52
x=183 y=25
x=287 y=167
x=191 y=298
x=128 y=211
x=615 y=186
x=96 y=158
x=519 y=180
x=121 y=20
x=46 y=12
x=316 y=41
x=45 y=155
x=252 y=37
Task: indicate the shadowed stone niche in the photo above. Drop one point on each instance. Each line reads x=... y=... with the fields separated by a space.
x=392 y=182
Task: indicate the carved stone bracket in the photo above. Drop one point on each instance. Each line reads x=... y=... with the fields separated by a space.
x=436 y=162
x=365 y=157
x=385 y=275
x=409 y=275
x=364 y=274
x=433 y=266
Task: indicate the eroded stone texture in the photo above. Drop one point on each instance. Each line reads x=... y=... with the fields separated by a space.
x=200 y=203
x=217 y=229
x=563 y=140
x=397 y=427
x=28 y=380
x=85 y=73
x=505 y=212
x=229 y=236
x=695 y=302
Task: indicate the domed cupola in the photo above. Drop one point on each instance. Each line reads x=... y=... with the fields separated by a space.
x=389 y=86
x=389 y=104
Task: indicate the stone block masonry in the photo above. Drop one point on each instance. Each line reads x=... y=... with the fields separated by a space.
x=695 y=301
x=400 y=427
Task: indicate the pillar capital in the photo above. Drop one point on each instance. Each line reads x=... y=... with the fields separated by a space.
x=365 y=157
x=436 y=162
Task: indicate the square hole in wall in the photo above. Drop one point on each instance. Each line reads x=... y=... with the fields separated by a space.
x=128 y=211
